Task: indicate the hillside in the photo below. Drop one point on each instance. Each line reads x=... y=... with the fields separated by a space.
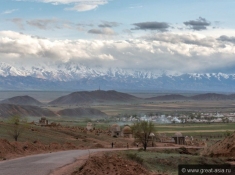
x=225 y=147
x=211 y=96
x=7 y=110
x=99 y=96
x=22 y=100
x=81 y=112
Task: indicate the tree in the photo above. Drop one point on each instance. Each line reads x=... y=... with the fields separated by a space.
x=17 y=126
x=142 y=130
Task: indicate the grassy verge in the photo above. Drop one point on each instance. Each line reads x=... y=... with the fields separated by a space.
x=167 y=161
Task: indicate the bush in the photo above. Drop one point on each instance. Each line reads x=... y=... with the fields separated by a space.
x=141 y=149
x=135 y=158
x=227 y=133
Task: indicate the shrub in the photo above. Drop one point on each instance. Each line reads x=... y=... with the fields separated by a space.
x=135 y=158
x=141 y=149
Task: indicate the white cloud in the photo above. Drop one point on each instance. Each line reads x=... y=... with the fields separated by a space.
x=9 y=11
x=78 y=5
x=164 y=51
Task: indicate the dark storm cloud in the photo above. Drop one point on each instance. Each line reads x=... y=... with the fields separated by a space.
x=227 y=38
x=199 y=24
x=108 y=24
x=160 y=26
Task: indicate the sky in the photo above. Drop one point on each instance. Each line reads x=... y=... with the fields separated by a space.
x=179 y=36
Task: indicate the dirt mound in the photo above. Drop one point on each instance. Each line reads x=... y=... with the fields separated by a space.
x=98 y=145
x=224 y=148
x=16 y=149
x=6 y=148
x=112 y=165
x=69 y=145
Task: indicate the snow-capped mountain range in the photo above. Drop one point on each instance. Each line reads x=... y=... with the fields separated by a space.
x=70 y=76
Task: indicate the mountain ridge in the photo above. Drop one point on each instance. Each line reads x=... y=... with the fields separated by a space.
x=74 y=76
x=201 y=97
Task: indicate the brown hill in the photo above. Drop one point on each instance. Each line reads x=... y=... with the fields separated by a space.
x=169 y=97
x=22 y=100
x=93 y=97
x=7 y=110
x=81 y=112
x=224 y=148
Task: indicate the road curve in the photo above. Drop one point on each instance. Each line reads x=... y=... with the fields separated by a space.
x=44 y=164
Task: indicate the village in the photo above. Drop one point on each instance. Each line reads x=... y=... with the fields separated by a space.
x=125 y=131
x=213 y=117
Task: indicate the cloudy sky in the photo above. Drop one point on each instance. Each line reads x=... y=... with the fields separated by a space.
x=169 y=35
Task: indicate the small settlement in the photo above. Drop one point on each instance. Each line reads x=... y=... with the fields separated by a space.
x=117 y=131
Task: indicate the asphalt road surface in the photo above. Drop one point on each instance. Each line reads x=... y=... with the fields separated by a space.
x=44 y=164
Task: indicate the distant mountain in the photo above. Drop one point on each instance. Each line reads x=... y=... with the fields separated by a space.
x=213 y=96
x=200 y=97
x=72 y=76
x=169 y=97
x=98 y=96
x=7 y=110
x=22 y=100
x=81 y=112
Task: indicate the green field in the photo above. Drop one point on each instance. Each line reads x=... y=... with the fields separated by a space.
x=196 y=128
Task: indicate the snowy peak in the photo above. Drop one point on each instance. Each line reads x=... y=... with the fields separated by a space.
x=82 y=76
x=8 y=70
x=73 y=72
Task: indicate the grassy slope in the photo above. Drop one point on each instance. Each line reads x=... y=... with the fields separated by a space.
x=48 y=135
x=167 y=161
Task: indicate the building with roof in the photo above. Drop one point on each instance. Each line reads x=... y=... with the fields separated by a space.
x=179 y=138
x=115 y=130
x=127 y=131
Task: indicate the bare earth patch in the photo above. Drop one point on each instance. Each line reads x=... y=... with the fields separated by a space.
x=225 y=148
x=101 y=164
x=9 y=150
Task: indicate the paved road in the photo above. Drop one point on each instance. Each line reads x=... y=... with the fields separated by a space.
x=44 y=164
